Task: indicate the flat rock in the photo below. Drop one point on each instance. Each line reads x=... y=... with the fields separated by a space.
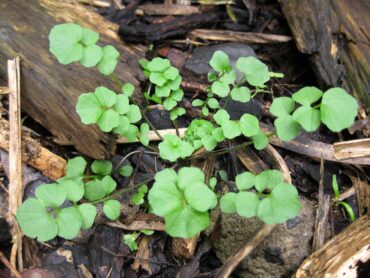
x=198 y=63
x=279 y=255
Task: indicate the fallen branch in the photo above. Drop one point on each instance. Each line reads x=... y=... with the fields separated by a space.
x=241 y=37
x=34 y=154
x=15 y=161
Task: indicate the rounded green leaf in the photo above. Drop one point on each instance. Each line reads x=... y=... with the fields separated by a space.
x=185 y=222
x=228 y=77
x=197 y=102
x=189 y=175
x=213 y=103
x=245 y=181
x=338 y=109
x=122 y=104
x=65 y=43
x=144 y=134
x=112 y=209
x=123 y=126
x=88 y=213
x=128 y=89
x=212 y=183
x=171 y=73
x=219 y=61
x=164 y=198
x=102 y=167
x=307 y=117
x=177 y=95
x=287 y=128
x=89 y=37
x=108 y=62
x=51 y=195
x=174 y=84
x=241 y=94
x=91 y=55
x=76 y=167
x=166 y=175
x=219 y=88
x=158 y=64
x=268 y=179
x=256 y=72
x=163 y=91
x=74 y=188
x=106 y=97
x=246 y=204
x=35 y=221
x=200 y=197
x=126 y=171
x=108 y=120
x=157 y=78
x=231 y=129
x=260 y=141
x=94 y=190
x=205 y=111
x=282 y=106
x=282 y=204
x=69 y=222
x=221 y=116
x=134 y=114
x=227 y=203
x=131 y=133
x=173 y=148
x=88 y=108
x=307 y=95
x=218 y=134
x=249 y=125
x=209 y=142
x=169 y=104
x=108 y=184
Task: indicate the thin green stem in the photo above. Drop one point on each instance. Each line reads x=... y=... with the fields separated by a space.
x=176 y=127
x=220 y=152
x=317 y=106
x=120 y=192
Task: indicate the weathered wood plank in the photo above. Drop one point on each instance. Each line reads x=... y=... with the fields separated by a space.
x=50 y=90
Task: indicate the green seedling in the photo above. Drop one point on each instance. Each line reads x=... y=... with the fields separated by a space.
x=130 y=239
x=337 y=202
x=183 y=200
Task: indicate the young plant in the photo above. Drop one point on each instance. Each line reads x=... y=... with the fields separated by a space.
x=271 y=200
x=183 y=200
x=337 y=202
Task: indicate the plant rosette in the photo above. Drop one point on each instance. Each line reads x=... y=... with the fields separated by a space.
x=183 y=200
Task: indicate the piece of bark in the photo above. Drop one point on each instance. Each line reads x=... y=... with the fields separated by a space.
x=341 y=255
x=241 y=37
x=34 y=154
x=142 y=221
x=49 y=89
x=352 y=149
x=335 y=36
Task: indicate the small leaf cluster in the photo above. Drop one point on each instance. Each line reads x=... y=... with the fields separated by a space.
x=183 y=200
x=167 y=81
x=173 y=147
x=138 y=198
x=70 y=43
x=55 y=210
x=338 y=202
x=203 y=133
x=337 y=110
x=248 y=125
x=272 y=201
x=113 y=112
x=130 y=239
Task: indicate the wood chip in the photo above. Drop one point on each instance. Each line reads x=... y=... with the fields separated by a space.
x=155 y=9
x=352 y=149
x=341 y=254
